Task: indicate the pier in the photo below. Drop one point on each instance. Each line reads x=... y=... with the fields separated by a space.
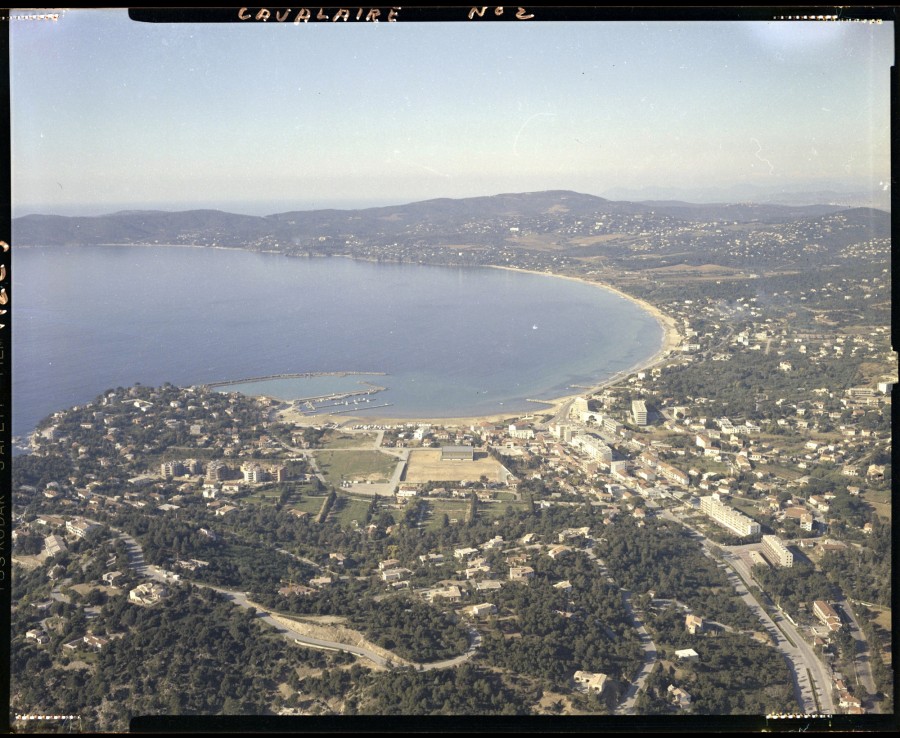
x=371 y=390
x=354 y=409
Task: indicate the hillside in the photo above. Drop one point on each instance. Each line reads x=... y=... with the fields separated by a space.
x=526 y=229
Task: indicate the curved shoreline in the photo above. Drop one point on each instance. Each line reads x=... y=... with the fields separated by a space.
x=671 y=339
x=671 y=336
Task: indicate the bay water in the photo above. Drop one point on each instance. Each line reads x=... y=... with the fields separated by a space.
x=450 y=342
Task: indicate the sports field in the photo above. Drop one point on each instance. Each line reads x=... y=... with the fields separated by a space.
x=425 y=465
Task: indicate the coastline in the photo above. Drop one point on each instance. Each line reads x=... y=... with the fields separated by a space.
x=671 y=339
x=671 y=336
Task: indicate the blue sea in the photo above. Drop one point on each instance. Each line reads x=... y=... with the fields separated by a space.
x=450 y=341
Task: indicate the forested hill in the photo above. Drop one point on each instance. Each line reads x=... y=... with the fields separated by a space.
x=519 y=229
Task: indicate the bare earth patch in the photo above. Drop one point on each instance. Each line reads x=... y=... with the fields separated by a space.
x=425 y=465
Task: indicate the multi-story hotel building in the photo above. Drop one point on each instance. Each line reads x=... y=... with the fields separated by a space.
x=594 y=448
x=253 y=472
x=171 y=469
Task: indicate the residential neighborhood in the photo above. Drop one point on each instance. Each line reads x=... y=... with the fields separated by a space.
x=740 y=485
x=707 y=533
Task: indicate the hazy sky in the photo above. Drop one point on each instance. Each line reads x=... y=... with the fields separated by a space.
x=107 y=111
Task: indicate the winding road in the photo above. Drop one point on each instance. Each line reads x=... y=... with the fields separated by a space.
x=862 y=661
x=626 y=705
x=282 y=625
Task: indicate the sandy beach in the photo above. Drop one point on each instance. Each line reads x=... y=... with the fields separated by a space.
x=671 y=337
x=671 y=340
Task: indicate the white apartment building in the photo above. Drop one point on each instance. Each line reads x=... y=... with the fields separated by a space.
x=777 y=551
x=592 y=447
x=728 y=517
x=639 y=411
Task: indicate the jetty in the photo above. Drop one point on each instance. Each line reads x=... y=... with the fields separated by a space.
x=297 y=375
x=354 y=409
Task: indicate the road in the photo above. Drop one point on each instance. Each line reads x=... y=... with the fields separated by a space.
x=799 y=656
x=382 y=489
x=474 y=644
x=306 y=455
x=861 y=662
x=283 y=626
x=804 y=691
x=561 y=415
x=627 y=705
x=309 y=562
x=136 y=562
x=136 y=557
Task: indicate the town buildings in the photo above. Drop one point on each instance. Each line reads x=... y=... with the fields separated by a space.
x=729 y=518
x=826 y=615
x=777 y=552
x=639 y=412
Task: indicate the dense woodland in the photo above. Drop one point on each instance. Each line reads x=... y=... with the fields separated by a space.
x=864 y=573
x=733 y=676
x=196 y=655
x=541 y=633
x=794 y=589
x=738 y=386
x=468 y=690
x=671 y=564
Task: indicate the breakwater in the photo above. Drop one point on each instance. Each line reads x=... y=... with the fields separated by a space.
x=298 y=375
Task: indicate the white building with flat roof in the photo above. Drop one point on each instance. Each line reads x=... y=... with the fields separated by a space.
x=485 y=608
x=592 y=447
x=728 y=517
x=777 y=552
x=639 y=411
x=80 y=527
x=591 y=680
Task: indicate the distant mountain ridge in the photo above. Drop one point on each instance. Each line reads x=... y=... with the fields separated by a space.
x=828 y=193
x=443 y=215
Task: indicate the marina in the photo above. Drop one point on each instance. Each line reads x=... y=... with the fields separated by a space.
x=357 y=409
x=342 y=403
x=337 y=401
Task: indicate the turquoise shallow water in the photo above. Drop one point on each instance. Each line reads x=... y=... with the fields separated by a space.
x=452 y=341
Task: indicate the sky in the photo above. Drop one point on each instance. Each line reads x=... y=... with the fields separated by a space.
x=108 y=113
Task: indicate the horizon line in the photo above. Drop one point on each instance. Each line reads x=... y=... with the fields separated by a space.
x=31 y=210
